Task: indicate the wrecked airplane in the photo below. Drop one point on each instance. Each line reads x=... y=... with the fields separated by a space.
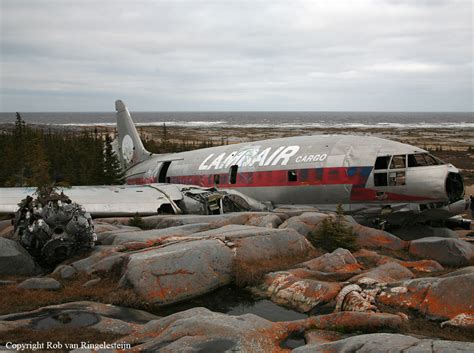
x=378 y=181
x=373 y=178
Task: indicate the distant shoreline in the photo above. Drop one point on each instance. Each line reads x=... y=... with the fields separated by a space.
x=455 y=146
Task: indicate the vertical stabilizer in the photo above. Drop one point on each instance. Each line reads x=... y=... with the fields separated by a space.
x=130 y=147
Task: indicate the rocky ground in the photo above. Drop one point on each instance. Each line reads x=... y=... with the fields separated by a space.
x=143 y=288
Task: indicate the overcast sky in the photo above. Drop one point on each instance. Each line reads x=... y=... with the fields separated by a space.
x=385 y=55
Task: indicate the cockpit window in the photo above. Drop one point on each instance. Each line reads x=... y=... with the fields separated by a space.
x=431 y=160
x=382 y=162
x=422 y=159
x=398 y=162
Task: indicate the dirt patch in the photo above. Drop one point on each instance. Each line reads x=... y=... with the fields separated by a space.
x=13 y=299
x=250 y=273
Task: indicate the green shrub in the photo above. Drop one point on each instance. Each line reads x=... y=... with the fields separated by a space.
x=333 y=233
x=137 y=221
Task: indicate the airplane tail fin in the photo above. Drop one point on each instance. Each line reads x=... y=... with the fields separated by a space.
x=130 y=147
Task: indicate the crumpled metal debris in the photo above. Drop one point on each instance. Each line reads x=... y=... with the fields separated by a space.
x=52 y=227
x=212 y=201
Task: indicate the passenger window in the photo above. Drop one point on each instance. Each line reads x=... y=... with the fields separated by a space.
x=292 y=175
x=217 y=179
x=382 y=162
x=233 y=174
x=398 y=162
x=380 y=179
x=397 y=178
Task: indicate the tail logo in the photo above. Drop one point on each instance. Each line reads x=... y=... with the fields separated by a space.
x=127 y=149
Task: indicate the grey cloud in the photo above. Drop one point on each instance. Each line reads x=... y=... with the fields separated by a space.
x=236 y=55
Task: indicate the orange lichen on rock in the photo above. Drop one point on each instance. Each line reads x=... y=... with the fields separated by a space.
x=442 y=298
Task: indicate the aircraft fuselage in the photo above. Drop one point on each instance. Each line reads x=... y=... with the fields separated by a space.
x=314 y=170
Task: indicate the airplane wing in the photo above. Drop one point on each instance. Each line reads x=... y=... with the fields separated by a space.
x=127 y=200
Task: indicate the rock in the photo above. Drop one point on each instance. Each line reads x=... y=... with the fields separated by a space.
x=387 y=343
x=267 y=221
x=68 y=272
x=386 y=273
x=40 y=283
x=371 y=258
x=64 y=271
x=274 y=245
x=350 y=321
x=101 y=317
x=93 y=282
x=322 y=276
x=201 y=330
x=98 y=254
x=252 y=245
x=6 y=228
x=302 y=294
x=294 y=210
x=461 y=271
x=102 y=227
x=115 y=221
x=437 y=298
x=421 y=231
x=304 y=223
x=340 y=260
x=377 y=239
x=428 y=266
x=5 y=224
x=157 y=236
x=179 y=271
x=113 y=263
x=447 y=251
x=322 y=336
x=213 y=221
x=461 y=320
x=15 y=260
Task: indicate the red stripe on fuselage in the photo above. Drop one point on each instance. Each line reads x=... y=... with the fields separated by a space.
x=361 y=194
x=355 y=176
x=314 y=176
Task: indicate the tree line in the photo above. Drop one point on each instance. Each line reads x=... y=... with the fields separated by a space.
x=37 y=157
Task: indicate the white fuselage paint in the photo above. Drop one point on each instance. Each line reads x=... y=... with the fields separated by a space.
x=250 y=157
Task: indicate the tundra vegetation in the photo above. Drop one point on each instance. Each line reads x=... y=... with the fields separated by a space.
x=36 y=156
x=334 y=233
x=137 y=221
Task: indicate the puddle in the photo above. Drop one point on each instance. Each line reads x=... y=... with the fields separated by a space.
x=236 y=301
x=65 y=318
x=294 y=340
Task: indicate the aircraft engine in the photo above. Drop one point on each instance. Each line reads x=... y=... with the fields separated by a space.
x=52 y=228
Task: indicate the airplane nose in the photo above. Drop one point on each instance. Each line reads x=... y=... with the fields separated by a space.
x=454 y=187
